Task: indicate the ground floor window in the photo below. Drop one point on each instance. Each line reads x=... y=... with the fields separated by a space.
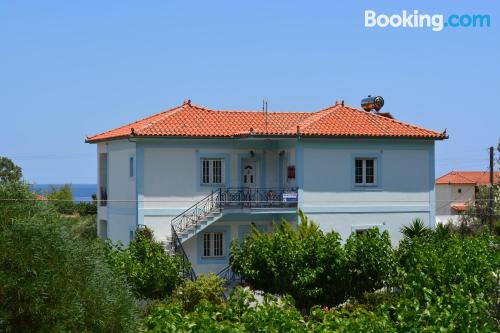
x=213 y=244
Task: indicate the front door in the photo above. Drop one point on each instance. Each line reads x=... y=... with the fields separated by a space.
x=249 y=174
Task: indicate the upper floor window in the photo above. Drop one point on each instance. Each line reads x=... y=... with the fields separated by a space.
x=365 y=172
x=212 y=171
x=213 y=244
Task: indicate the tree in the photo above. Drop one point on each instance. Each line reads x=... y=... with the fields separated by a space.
x=311 y=265
x=62 y=199
x=9 y=172
x=417 y=228
x=51 y=281
x=150 y=270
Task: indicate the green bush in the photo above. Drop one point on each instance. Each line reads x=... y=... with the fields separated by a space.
x=370 y=261
x=241 y=314
x=85 y=227
x=206 y=288
x=312 y=266
x=357 y=320
x=17 y=202
x=53 y=282
x=150 y=270
x=86 y=208
x=62 y=199
x=305 y=263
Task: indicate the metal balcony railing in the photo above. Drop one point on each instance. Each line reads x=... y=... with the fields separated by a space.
x=258 y=197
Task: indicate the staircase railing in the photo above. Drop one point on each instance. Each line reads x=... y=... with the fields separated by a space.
x=218 y=200
x=229 y=276
x=191 y=216
x=188 y=271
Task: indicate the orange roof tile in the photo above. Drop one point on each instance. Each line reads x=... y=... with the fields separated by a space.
x=468 y=177
x=189 y=120
x=459 y=207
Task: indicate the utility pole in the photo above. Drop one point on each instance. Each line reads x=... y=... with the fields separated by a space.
x=490 y=197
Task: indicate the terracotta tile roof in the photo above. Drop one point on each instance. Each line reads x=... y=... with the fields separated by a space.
x=188 y=120
x=469 y=177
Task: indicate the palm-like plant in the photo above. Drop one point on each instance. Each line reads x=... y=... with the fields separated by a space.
x=417 y=228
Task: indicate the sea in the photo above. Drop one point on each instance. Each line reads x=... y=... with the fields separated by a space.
x=81 y=192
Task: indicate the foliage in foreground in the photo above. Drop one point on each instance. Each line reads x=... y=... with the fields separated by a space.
x=444 y=283
x=52 y=281
x=243 y=313
x=207 y=288
x=312 y=266
x=150 y=270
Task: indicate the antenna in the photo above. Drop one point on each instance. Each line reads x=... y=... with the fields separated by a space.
x=264 y=109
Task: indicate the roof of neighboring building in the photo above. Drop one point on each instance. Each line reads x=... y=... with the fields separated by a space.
x=469 y=177
x=459 y=207
x=188 y=120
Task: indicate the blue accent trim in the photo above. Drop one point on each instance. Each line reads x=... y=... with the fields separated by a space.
x=227 y=168
x=131 y=233
x=378 y=167
x=246 y=228
x=139 y=183
x=108 y=204
x=132 y=167
x=366 y=209
x=199 y=245
x=174 y=211
x=122 y=210
x=282 y=161
x=262 y=168
x=299 y=173
x=162 y=211
x=432 y=193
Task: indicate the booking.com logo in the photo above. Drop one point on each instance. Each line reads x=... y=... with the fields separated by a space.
x=436 y=22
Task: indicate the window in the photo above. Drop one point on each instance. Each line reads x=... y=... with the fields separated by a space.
x=361 y=231
x=213 y=244
x=131 y=167
x=459 y=190
x=365 y=171
x=212 y=171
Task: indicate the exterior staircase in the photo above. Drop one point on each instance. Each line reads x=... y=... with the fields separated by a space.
x=211 y=208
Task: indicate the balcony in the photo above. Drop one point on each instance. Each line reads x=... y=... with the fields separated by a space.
x=257 y=197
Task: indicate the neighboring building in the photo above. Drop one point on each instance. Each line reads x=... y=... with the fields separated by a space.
x=456 y=189
x=201 y=177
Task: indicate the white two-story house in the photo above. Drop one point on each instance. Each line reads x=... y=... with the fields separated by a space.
x=200 y=177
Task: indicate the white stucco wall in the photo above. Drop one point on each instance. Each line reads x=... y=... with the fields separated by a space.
x=404 y=190
x=167 y=178
x=120 y=212
x=171 y=180
x=448 y=194
x=235 y=231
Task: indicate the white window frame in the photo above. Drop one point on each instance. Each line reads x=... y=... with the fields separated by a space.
x=212 y=166
x=363 y=168
x=215 y=244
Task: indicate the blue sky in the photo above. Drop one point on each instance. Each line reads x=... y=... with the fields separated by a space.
x=75 y=68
